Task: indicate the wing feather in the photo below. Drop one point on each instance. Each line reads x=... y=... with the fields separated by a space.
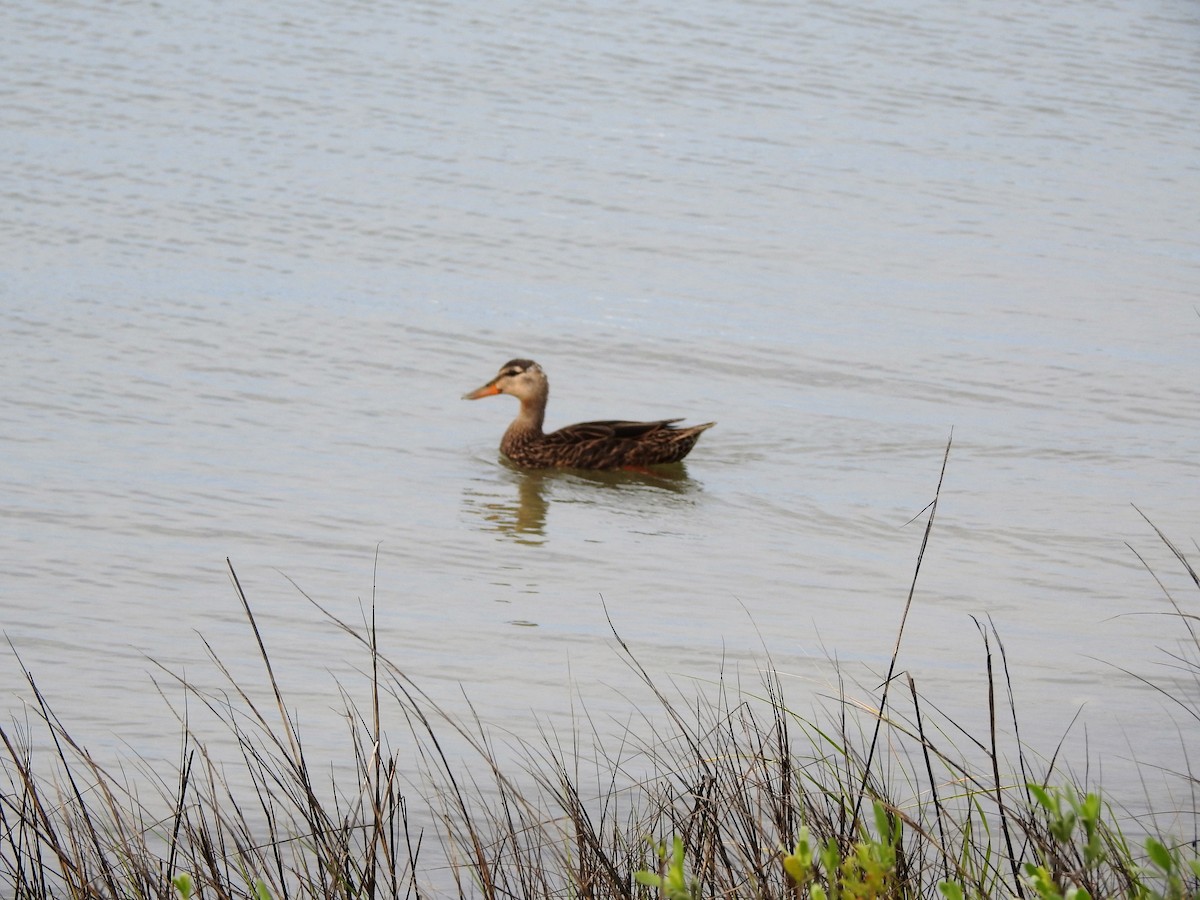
x=607 y=429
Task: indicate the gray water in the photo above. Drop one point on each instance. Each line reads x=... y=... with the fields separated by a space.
x=253 y=255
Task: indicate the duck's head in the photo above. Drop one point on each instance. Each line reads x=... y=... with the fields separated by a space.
x=523 y=378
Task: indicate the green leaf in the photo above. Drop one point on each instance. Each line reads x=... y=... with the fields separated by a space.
x=1090 y=808
x=648 y=878
x=1160 y=856
x=1042 y=796
x=951 y=890
x=796 y=869
x=888 y=834
x=831 y=859
x=803 y=850
x=1039 y=879
x=677 y=856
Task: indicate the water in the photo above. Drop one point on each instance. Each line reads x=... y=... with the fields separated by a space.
x=252 y=258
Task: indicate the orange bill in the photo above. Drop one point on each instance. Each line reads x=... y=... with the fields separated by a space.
x=486 y=391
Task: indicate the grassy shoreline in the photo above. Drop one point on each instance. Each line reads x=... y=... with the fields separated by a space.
x=728 y=793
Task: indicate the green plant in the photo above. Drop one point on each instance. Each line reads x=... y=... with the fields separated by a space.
x=803 y=865
x=1171 y=877
x=1065 y=809
x=1180 y=878
x=673 y=882
x=867 y=871
x=1047 y=887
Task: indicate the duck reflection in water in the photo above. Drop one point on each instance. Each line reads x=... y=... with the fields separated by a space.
x=523 y=518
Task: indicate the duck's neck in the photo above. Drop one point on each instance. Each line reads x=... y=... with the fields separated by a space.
x=528 y=423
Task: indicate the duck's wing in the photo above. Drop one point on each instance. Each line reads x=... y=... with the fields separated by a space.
x=614 y=444
x=607 y=430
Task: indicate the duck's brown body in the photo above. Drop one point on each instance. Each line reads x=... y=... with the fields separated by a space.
x=611 y=444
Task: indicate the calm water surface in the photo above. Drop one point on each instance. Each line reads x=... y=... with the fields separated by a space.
x=252 y=257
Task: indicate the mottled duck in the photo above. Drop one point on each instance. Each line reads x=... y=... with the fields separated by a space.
x=610 y=444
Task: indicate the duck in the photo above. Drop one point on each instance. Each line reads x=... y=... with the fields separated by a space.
x=609 y=444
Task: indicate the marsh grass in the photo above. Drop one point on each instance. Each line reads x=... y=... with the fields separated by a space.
x=720 y=792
